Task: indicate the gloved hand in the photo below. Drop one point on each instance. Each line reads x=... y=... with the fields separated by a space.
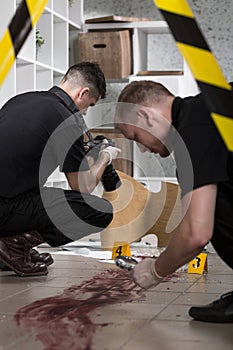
x=145 y=275
x=112 y=151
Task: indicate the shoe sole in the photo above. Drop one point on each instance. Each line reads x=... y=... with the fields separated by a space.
x=22 y=274
x=50 y=263
x=47 y=264
x=211 y=319
x=8 y=268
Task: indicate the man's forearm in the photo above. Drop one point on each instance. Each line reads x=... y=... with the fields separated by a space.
x=179 y=252
x=88 y=180
x=192 y=234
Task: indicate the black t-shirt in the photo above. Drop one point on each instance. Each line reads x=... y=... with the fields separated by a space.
x=208 y=153
x=27 y=122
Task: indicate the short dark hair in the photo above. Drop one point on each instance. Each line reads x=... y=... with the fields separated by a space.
x=147 y=93
x=89 y=74
x=144 y=92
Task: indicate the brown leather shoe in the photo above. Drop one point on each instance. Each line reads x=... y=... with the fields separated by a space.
x=36 y=257
x=14 y=252
x=33 y=239
x=44 y=258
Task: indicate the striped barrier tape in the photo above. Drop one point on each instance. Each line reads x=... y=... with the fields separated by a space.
x=206 y=71
x=25 y=18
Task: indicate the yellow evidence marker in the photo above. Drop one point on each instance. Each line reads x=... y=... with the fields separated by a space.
x=121 y=248
x=198 y=265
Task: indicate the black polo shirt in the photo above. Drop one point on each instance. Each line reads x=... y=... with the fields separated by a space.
x=208 y=153
x=27 y=122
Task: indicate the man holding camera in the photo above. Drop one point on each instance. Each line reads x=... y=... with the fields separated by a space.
x=40 y=131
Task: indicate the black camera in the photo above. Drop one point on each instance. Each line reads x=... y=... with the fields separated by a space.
x=110 y=178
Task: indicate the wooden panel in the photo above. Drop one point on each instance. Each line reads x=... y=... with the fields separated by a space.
x=160 y=72
x=138 y=212
x=112 y=50
x=113 y=18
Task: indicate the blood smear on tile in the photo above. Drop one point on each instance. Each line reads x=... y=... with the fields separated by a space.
x=64 y=321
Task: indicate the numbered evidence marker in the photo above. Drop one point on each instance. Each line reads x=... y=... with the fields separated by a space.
x=199 y=264
x=121 y=248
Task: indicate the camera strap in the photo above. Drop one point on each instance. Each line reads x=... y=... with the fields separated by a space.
x=69 y=103
x=65 y=99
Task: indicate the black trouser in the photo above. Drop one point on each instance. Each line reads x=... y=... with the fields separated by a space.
x=222 y=239
x=69 y=215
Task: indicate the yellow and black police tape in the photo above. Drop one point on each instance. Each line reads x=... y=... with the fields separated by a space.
x=24 y=19
x=202 y=63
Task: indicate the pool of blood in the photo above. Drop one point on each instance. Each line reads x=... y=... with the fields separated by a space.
x=64 y=321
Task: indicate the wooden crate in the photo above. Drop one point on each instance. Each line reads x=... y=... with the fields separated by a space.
x=111 y=49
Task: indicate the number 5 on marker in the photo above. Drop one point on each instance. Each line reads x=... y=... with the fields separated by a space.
x=198 y=264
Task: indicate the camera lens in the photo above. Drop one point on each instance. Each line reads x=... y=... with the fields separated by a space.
x=110 y=179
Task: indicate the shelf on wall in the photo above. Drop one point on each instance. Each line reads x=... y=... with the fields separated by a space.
x=159 y=72
x=148 y=27
x=114 y=18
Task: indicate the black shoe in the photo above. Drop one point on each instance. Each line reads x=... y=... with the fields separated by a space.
x=4 y=267
x=14 y=253
x=36 y=257
x=219 y=311
x=44 y=258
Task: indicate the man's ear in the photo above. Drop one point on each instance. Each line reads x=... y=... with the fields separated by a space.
x=83 y=92
x=146 y=116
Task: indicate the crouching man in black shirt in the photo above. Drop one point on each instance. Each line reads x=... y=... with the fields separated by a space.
x=161 y=123
x=40 y=131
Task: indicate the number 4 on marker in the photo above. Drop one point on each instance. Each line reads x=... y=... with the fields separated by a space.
x=121 y=248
